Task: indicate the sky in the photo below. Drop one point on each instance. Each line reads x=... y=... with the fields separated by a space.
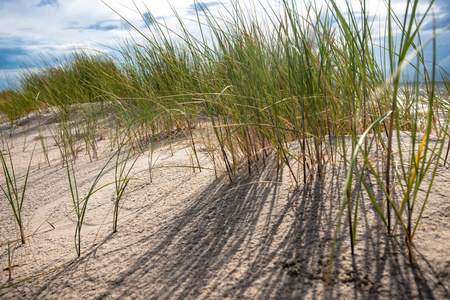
x=33 y=29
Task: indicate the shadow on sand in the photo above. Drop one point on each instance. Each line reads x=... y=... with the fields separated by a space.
x=254 y=238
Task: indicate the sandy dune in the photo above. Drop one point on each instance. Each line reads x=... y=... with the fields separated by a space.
x=190 y=235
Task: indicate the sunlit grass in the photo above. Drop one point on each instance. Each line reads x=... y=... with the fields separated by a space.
x=14 y=193
x=317 y=77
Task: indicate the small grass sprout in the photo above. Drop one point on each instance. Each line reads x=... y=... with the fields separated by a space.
x=12 y=191
x=80 y=204
x=121 y=181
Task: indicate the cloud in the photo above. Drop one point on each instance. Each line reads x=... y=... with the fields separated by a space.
x=30 y=28
x=48 y=3
x=148 y=18
x=101 y=26
x=441 y=22
x=10 y=56
x=9 y=78
x=445 y=63
x=15 y=52
x=204 y=6
x=4 y=3
x=440 y=15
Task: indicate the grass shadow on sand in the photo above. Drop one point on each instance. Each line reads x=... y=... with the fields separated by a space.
x=254 y=238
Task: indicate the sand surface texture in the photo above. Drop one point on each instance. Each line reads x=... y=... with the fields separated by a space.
x=190 y=235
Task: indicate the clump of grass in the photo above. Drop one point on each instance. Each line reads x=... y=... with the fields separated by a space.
x=12 y=104
x=12 y=191
x=306 y=79
x=261 y=82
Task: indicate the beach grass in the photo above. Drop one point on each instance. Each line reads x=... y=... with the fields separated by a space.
x=318 y=77
x=14 y=194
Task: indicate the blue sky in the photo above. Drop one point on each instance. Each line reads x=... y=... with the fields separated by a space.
x=31 y=29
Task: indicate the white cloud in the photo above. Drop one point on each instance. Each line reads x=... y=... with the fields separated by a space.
x=55 y=27
x=445 y=63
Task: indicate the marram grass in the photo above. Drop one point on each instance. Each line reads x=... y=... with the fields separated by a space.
x=258 y=82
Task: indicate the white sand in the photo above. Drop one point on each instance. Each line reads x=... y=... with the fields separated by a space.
x=189 y=235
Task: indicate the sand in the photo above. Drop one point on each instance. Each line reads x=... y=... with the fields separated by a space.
x=195 y=235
